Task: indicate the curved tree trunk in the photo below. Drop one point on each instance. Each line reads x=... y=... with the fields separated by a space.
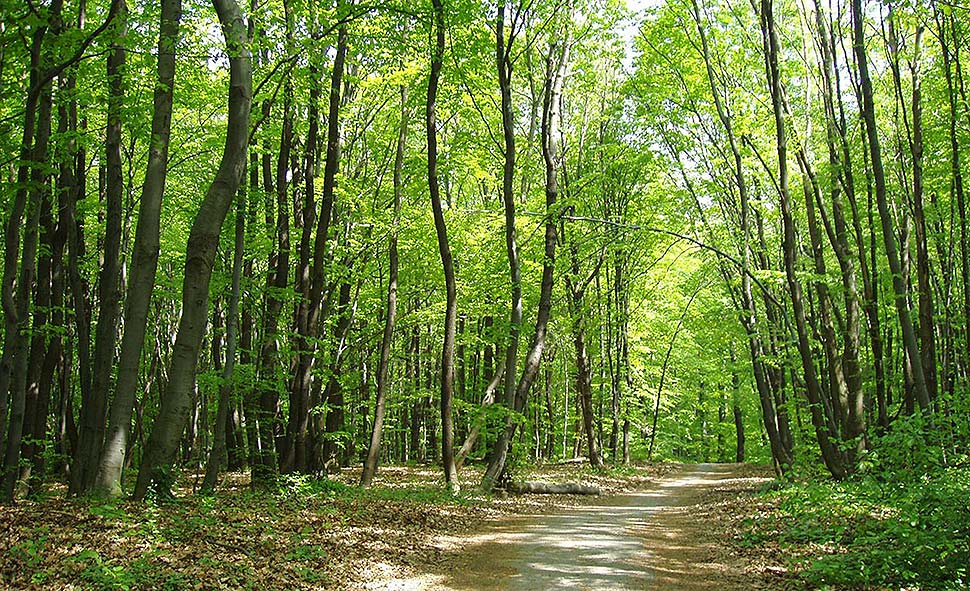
x=451 y=305
x=910 y=344
x=551 y=105
x=823 y=426
x=203 y=241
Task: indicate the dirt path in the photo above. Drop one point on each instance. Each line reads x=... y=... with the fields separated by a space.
x=656 y=539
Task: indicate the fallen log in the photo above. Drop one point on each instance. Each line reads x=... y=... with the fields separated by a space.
x=549 y=488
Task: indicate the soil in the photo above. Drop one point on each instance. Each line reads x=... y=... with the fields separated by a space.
x=663 y=538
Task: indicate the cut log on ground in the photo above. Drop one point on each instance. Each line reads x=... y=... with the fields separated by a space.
x=549 y=488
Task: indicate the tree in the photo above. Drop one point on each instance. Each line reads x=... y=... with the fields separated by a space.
x=200 y=253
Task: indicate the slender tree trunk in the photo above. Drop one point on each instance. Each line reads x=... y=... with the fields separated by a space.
x=451 y=306
x=946 y=27
x=200 y=253
x=15 y=219
x=773 y=420
x=94 y=409
x=141 y=279
x=387 y=338
x=503 y=62
x=889 y=237
x=823 y=428
x=16 y=300
x=217 y=455
x=551 y=106
x=315 y=312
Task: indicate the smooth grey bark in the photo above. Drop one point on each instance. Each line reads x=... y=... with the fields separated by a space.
x=444 y=249
x=203 y=242
x=94 y=408
x=144 y=264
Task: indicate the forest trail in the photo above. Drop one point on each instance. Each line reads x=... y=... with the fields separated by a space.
x=653 y=539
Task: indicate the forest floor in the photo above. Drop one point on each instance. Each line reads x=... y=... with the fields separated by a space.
x=662 y=526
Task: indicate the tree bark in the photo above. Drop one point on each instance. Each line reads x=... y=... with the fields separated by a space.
x=200 y=253
x=141 y=278
x=94 y=409
x=387 y=337
x=889 y=240
x=444 y=249
x=823 y=428
x=217 y=455
x=556 y=64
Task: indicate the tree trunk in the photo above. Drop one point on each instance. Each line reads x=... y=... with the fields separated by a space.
x=551 y=106
x=141 y=279
x=823 y=428
x=387 y=337
x=217 y=455
x=451 y=306
x=94 y=409
x=200 y=253
x=503 y=63
x=892 y=253
x=16 y=301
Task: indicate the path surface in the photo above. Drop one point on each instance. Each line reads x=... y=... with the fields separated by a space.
x=654 y=540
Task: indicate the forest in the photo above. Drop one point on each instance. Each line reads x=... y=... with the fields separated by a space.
x=280 y=239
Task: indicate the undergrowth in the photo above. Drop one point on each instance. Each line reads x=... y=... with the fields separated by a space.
x=902 y=522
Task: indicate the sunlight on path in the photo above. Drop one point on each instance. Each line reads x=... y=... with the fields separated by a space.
x=628 y=541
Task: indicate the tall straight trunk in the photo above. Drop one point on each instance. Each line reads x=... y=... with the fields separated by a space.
x=55 y=240
x=266 y=467
x=45 y=343
x=503 y=63
x=294 y=456
x=15 y=219
x=387 y=337
x=17 y=301
x=94 y=409
x=901 y=302
x=947 y=28
x=144 y=264
x=925 y=305
x=444 y=249
x=839 y=237
x=203 y=241
x=823 y=425
x=556 y=64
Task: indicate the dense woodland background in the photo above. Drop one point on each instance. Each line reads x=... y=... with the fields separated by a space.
x=324 y=235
